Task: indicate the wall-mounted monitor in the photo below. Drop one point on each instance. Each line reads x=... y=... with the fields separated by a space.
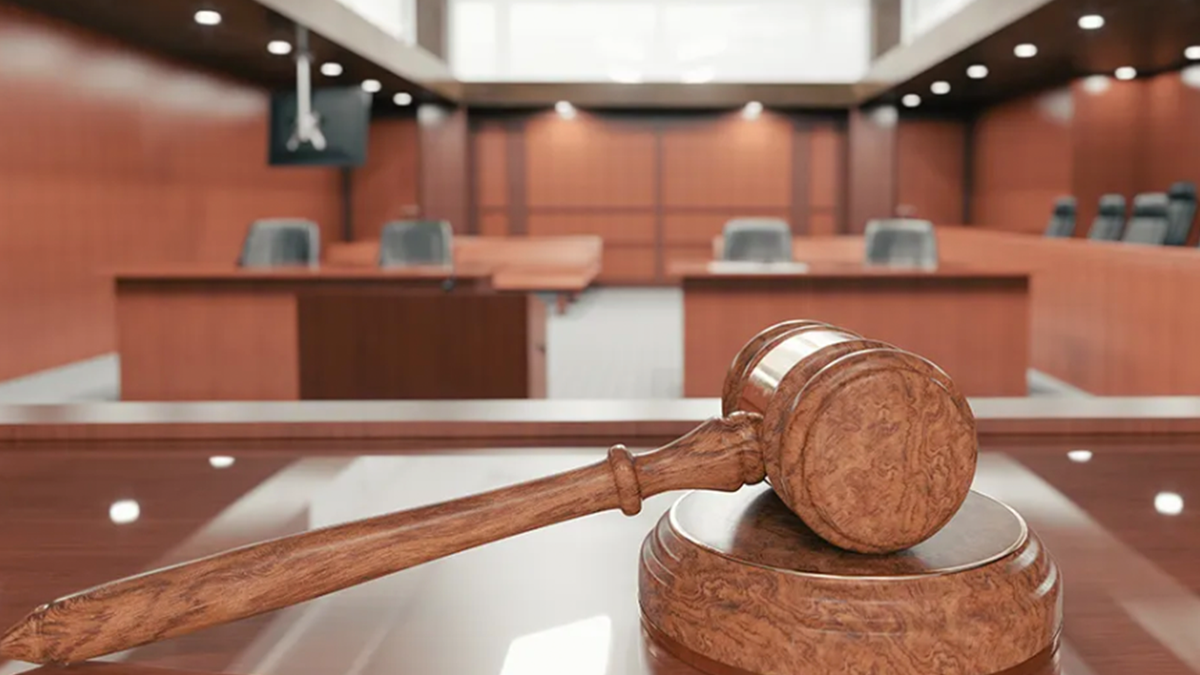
x=343 y=119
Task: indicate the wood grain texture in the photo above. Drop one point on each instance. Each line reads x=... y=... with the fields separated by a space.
x=494 y=224
x=728 y=162
x=588 y=161
x=490 y=165
x=930 y=176
x=722 y=454
x=99 y=172
x=1105 y=142
x=872 y=157
x=975 y=325
x=625 y=227
x=385 y=188
x=630 y=265
x=444 y=165
x=1022 y=162
x=741 y=581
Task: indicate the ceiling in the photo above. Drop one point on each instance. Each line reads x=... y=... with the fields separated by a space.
x=236 y=47
x=1149 y=35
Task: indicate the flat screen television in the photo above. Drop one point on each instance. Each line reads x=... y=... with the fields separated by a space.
x=344 y=119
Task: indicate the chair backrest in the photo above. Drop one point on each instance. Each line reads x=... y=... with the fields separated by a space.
x=281 y=242
x=1181 y=213
x=406 y=243
x=1148 y=224
x=757 y=240
x=901 y=243
x=1062 y=221
x=1110 y=219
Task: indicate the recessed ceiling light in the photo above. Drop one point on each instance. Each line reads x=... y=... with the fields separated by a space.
x=371 y=86
x=207 y=17
x=911 y=100
x=221 y=461
x=1126 y=73
x=565 y=110
x=403 y=98
x=1168 y=503
x=279 y=47
x=1091 y=22
x=941 y=88
x=331 y=69
x=1025 y=51
x=1192 y=53
x=977 y=71
x=752 y=110
x=124 y=512
x=1080 y=456
x=1096 y=84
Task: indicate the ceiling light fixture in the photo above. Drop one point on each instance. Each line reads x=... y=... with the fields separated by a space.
x=221 y=461
x=402 y=99
x=565 y=110
x=1126 y=73
x=911 y=100
x=977 y=71
x=1091 y=22
x=1025 y=51
x=279 y=47
x=207 y=17
x=371 y=86
x=1192 y=53
x=124 y=512
x=331 y=69
x=752 y=110
x=941 y=88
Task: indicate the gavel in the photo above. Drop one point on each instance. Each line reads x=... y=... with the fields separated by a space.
x=871 y=446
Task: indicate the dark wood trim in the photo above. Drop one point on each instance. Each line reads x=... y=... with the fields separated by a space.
x=801 y=175
x=968 y=182
x=660 y=248
x=346 y=195
x=518 y=195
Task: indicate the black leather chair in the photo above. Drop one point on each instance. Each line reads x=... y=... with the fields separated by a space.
x=1148 y=225
x=282 y=242
x=1181 y=213
x=901 y=242
x=406 y=243
x=765 y=240
x=1110 y=220
x=1062 y=221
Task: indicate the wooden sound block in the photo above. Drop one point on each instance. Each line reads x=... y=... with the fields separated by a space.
x=736 y=583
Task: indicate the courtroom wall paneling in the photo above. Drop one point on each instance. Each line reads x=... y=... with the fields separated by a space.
x=930 y=177
x=1106 y=143
x=444 y=165
x=385 y=188
x=826 y=179
x=728 y=161
x=1022 y=161
x=872 y=152
x=94 y=178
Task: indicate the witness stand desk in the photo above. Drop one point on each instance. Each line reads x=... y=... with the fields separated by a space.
x=973 y=323
x=565 y=266
x=230 y=334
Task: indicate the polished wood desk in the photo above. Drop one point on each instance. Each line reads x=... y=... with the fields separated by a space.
x=229 y=334
x=560 y=600
x=972 y=323
x=565 y=266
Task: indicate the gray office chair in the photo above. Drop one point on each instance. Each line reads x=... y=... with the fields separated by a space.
x=1062 y=221
x=757 y=240
x=1110 y=219
x=1181 y=213
x=282 y=242
x=901 y=243
x=1148 y=224
x=405 y=243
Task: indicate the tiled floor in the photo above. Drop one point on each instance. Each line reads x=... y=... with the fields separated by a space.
x=613 y=343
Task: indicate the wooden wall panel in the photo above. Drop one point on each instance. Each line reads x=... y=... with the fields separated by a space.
x=164 y=166
x=589 y=161
x=826 y=167
x=872 y=150
x=493 y=224
x=445 y=165
x=699 y=228
x=385 y=188
x=616 y=228
x=728 y=162
x=491 y=165
x=1105 y=142
x=1022 y=162
x=628 y=264
x=822 y=224
x=931 y=182
x=1171 y=138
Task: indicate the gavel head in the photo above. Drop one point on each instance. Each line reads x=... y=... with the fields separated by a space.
x=872 y=446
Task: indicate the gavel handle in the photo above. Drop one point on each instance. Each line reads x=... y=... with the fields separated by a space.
x=721 y=454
